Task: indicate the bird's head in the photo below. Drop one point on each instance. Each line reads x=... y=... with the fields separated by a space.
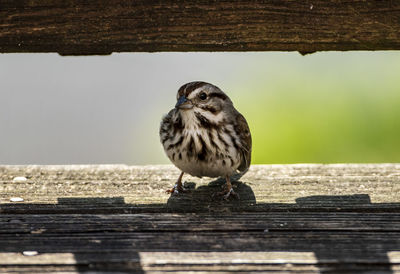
x=200 y=97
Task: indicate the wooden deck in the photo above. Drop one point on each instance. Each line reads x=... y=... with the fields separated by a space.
x=300 y=218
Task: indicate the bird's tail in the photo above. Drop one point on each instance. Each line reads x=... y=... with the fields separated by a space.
x=238 y=175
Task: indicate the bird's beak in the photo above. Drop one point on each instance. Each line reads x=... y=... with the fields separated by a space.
x=183 y=103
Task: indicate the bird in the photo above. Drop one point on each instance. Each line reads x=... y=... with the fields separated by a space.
x=205 y=136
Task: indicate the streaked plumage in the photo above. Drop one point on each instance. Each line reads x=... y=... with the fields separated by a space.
x=204 y=135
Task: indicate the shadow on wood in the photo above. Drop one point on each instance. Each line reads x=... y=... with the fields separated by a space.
x=205 y=198
x=339 y=241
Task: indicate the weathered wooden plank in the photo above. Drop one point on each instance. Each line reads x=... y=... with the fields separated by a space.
x=123 y=189
x=317 y=241
x=328 y=246
x=179 y=249
x=175 y=260
x=240 y=268
x=174 y=268
x=102 y=27
x=154 y=222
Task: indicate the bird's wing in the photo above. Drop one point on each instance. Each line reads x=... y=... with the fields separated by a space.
x=243 y=131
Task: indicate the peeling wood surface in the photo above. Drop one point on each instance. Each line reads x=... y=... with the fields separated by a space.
x=299 y=218
x=103 y=27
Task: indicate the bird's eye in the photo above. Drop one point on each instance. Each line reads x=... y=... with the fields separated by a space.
x=203 y=96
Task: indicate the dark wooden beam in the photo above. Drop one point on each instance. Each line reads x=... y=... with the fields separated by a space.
x=103 y=27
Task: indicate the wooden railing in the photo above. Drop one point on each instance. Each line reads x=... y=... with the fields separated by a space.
x=103 y=27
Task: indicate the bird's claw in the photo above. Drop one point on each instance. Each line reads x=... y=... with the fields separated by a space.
x=228 y=193
x=177 y=189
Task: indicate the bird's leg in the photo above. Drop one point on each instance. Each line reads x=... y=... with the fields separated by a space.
x=178 y=187
x=228 y=190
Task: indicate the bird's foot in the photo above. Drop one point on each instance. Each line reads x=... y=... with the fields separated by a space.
x=228 y=193
x=177 y=189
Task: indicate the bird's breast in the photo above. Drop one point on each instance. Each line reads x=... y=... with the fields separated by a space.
x=205 y=153
x=201 y=150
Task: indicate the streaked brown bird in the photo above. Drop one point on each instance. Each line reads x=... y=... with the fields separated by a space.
x=204 y=135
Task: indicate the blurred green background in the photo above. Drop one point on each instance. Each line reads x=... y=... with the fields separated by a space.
x=324 y=108
x=327 y=107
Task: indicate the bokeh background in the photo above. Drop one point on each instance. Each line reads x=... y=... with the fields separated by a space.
x=325 y=107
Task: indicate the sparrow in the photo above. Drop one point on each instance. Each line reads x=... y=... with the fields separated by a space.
x=205 y=136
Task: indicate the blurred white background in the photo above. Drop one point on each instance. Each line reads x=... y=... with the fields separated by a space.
x=96 y=109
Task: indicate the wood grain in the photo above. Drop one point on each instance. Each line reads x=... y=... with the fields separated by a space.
x=103 y=27
x=123 y=189
x=290 y=218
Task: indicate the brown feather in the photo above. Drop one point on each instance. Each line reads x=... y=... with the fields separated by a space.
x=243 y=131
